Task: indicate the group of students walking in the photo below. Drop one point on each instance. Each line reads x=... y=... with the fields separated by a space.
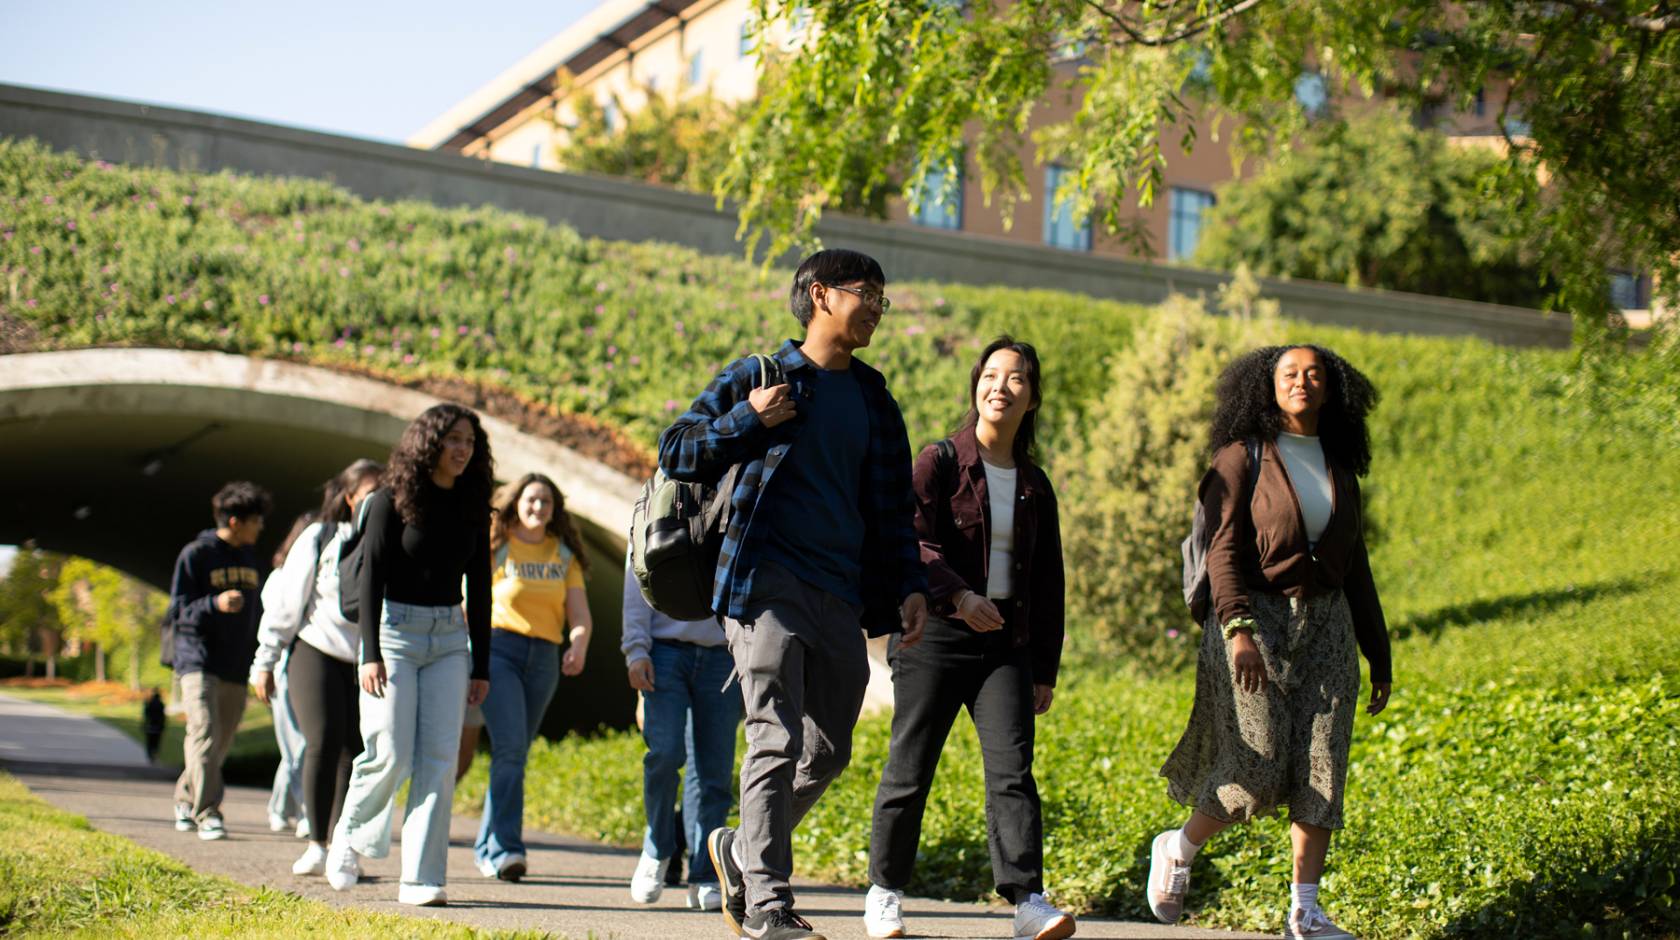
x=833 y=533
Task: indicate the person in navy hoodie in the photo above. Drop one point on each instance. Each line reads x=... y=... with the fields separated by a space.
x=215 y=606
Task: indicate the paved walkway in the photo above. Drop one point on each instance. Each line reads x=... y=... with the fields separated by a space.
x=576 y=887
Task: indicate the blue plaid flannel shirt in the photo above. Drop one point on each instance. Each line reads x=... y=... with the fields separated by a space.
x=721 y=429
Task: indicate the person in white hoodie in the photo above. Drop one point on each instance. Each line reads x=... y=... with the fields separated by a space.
x=301 y=614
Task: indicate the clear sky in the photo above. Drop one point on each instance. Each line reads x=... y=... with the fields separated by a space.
x=370 y=68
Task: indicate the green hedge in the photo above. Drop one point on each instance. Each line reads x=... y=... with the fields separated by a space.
x=1522 y=782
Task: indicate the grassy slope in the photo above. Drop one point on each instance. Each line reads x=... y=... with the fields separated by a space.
x=60 y=877
x=1527 y=557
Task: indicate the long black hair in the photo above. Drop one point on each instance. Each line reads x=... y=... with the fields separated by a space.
x=334 y=507
x=1026 y=436
x=416 y=455
x=1246 y=405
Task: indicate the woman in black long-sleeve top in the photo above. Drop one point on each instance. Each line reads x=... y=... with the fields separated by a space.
x=986 y=515
x=422 y=661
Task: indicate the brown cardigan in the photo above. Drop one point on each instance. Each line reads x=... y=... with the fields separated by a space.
x=1263 y=547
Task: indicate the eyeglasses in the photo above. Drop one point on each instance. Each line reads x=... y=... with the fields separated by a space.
x=867 y=296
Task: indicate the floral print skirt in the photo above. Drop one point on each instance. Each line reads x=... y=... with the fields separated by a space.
x=1245 y=754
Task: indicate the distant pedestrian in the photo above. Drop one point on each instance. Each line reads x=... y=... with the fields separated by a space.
x=213 y=593
x=821 y=546
x=1292 y=606
x=153 y=723
x=305 y=636
x=423 y=660
x=285 y=796
x=691 y=712
x=539 y=606
x=991 y=539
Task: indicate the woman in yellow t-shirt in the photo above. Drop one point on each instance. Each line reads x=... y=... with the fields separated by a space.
x=537 y=590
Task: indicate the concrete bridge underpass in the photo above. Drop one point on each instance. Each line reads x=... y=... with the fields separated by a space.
x=113 y=454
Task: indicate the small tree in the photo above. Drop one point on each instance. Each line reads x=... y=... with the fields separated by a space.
x=1375 y=202
x=1130 y=485
x=106 y=608
x=26 y=609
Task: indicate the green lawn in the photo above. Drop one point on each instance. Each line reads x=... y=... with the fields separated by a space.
x=59 y=877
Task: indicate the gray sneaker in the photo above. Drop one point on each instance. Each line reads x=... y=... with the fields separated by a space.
x=210 y=828
x=184 y=818
x=1310 y=924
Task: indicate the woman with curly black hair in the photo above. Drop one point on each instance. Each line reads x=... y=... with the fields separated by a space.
x=1292 y=598
x=422 y=661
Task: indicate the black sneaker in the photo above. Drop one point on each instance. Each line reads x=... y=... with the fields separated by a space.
x=778 y=923
x=720 y=845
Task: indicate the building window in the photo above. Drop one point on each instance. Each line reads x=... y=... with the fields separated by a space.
x=1625 y=290
x=1312 y=93
x=609 y=114
x=939 y=194
x=746 y=47
x=1184 y=229
x=651 y=83
x=696 y=69
x=536 y=156
x=1059 y=228
x=1517 y=127
x=1480 y=107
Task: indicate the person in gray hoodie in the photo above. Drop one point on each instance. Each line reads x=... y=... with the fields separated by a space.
x=215 y=605
x=691 y=706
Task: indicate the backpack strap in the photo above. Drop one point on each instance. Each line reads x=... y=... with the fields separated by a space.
x=769 y=370
x=500 y=557
x=1253 y=445
x=945 y=457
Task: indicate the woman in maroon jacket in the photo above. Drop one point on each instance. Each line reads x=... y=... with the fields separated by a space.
x=986 y=515
x=1293 y=605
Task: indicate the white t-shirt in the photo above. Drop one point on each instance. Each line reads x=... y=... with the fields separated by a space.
x=1303 y=457
x=1000 y=494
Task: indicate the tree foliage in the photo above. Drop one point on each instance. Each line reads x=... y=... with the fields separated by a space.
x=879 y=86
x=25 y=604
x=1375 y=202
x=680 y=142
x=99 y=604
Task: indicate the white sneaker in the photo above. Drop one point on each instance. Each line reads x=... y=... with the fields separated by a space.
x=343 y=868
x=1037 y=919
x=210 y=829
x=313 y=861
x=883 y=912
x=705 y=897
x=1169 y=881
x=1310 y=924
x=422 y=895
x=303 y=828
x=277 y=823
x=184 y=818
x=485 y=867
x=648 y=883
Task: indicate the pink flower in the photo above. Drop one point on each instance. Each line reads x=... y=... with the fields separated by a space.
x=262 y=299
x=151 y=205
x=367 y=349
x=1172 y=634
x=186 y=200
x=678 y=326
x=30 y=303
x=354 y=244
x=610 y=366
x=297 y=347
x=589 y=331
x=671 y=404
x=461 y=330
x=635 y=360
x=600 y=309
x=35 y=250
x=915 y=329
x=169 y=299
x=70 y=226
x=339 y=343
x=209 y=305
x=408 y=359
x=612 y=351
x=343 y=272
x=436 y=332
x=47 y=200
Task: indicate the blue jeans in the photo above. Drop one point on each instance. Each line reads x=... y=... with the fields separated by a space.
x=689 y=703
x=523 y=673
x=285 y=799
x=412 y=732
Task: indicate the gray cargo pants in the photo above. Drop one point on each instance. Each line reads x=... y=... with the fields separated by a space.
x=800 y=654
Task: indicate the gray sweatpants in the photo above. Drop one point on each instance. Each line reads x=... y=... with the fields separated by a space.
x=800 y=654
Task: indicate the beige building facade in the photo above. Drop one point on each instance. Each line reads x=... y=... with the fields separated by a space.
x=625 y=50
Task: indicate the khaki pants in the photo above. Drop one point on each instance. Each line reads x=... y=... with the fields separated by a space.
x=214 y=707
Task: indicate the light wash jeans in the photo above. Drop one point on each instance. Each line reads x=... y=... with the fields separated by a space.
x=689 y=718
x=523 y=673
x=412 y=732
x=285 y=800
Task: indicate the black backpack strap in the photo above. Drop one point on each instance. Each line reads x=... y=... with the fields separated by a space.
x=945 y=457
x=1253 y=445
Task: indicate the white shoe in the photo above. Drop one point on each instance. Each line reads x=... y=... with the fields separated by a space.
x=1311 y=924
x=422 y=895
x=210 y=829
x=511 y=868
x=277 y=823
x=303 y=828
x=705 y=897
x=1037 y=919
x=485 y=867
x=883 y=912
x=648 y=883
x=343 y=869
x=313 y=861
x=184 y=818
x=1169 y=881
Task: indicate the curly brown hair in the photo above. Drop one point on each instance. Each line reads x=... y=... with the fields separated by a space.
x=1246 y=405
x=560 y=525
x=416 y=455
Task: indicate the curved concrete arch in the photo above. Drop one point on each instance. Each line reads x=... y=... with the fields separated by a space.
x=113 y=454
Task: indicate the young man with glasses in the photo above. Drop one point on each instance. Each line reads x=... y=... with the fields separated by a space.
x=808 y=565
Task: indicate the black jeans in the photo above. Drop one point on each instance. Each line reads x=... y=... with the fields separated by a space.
x=953 y=667
x=324 y=695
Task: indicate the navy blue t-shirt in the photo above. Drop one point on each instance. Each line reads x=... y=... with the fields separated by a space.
x=816 y=526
